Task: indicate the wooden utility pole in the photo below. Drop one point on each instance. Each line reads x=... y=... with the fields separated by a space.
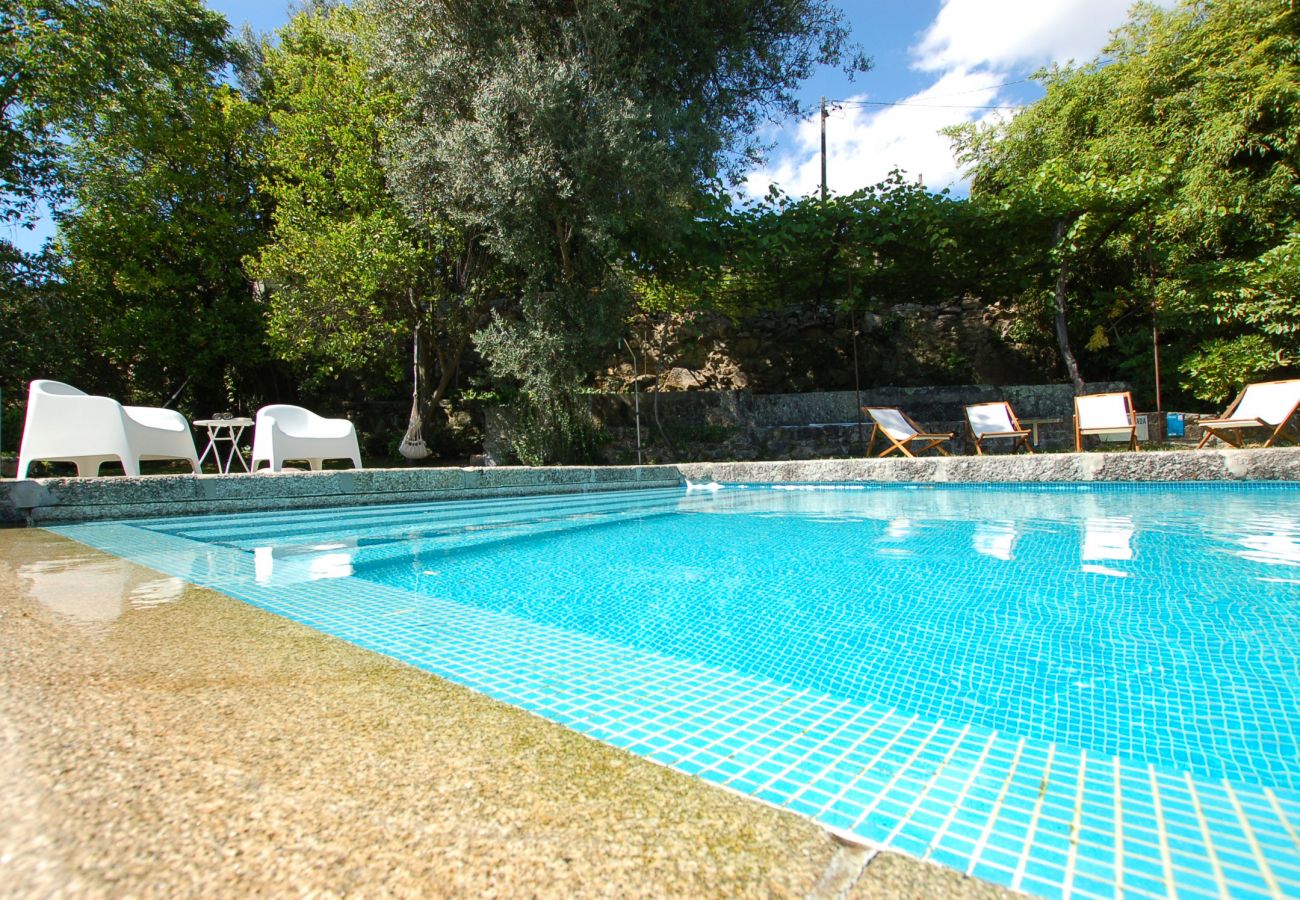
x=1155 y=352
x=824 y=115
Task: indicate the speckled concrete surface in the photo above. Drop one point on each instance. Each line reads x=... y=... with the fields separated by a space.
x=163 y=740
x=53 y=501
x=48 y=501
x=1273 y=464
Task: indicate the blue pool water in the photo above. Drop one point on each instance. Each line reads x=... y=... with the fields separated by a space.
x=1135 y=649
x=1161 y=627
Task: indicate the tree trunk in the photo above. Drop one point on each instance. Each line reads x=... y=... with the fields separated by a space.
x=413 y=446
x=1062 y=329
x=448 y=363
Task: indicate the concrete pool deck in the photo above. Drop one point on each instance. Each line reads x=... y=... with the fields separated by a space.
x=162 y=739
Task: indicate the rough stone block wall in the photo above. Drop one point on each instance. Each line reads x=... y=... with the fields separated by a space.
x=720 y=425
x=811 y=349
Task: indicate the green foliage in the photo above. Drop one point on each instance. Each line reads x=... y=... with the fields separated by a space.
x=892 y=242
x=30 y=58
x=1172 y=169
x=157 y=157
x=350 y=275
x=342 y=255
x=46 y=335
x=1221 y=366
x=576 y=139
x=557 y=427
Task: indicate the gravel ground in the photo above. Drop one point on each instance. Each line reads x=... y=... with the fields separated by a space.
x=164 y=740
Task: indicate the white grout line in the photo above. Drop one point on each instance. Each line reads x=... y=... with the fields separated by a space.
x=929 y=785
x=871 y=762
x=902 y=770
x=733 y=732
x=997 y=806
x=1209 y=838
x=1076 y=825
x=759 y=735
x=758 y=693
x=1282 y=817
x=1034 y=818
x=961 y=795
x=844 y=754
x=616 y=695
x=1265 y=869
x=1165 y=859
x=815 y=747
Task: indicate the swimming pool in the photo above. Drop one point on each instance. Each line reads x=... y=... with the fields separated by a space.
x=1068 y=689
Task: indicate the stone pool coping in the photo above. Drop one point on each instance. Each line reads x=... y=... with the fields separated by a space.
x=51 y=501
x=1273 y=464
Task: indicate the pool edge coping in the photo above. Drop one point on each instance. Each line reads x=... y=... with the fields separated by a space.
x=54 y=501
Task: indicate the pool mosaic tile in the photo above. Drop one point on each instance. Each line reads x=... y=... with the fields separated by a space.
x=1021 y=789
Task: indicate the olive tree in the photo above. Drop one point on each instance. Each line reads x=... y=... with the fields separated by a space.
x=575 y=138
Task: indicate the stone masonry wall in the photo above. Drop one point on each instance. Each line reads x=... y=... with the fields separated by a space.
x=687 y=426
x=811 y=349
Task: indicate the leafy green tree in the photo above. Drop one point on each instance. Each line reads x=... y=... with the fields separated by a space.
x=45 y=332
x=350 y=275
x=892 y=242
x=575 y=139
x=1163 y=179
x=157 y=156
x=28 y=59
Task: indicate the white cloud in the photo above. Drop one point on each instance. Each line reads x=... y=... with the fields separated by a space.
x=968 y=34
x=864 y=142
x=971 y=47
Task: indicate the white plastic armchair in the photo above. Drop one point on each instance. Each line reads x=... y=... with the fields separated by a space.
x=67 y=425
x=284 y=432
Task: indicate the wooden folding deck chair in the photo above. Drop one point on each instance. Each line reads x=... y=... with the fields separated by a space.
x=995 y=420
x=1266 y=404
x=901 y=432
x=1110 y=413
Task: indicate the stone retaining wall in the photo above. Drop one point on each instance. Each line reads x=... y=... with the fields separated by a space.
x=694 y=426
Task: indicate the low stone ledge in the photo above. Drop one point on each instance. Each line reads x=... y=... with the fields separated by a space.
x=1274 y=464
x=50 y=501
x=63 y=500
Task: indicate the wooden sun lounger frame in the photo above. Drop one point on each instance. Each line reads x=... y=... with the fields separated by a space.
x=1017 y=434
x=1228 y=424
x=1131 y=428
x=934 y=438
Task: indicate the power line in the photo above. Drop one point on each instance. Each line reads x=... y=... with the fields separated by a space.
x=978 y=90
x=987 y=88
x=919 y=105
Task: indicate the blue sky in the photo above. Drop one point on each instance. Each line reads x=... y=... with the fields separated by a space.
x=937 y=63
x=941 y=61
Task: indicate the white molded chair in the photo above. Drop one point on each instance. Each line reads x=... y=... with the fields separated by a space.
x=1269 y=405
x=1110 y=413
x=285 y=432
x=67 y=425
